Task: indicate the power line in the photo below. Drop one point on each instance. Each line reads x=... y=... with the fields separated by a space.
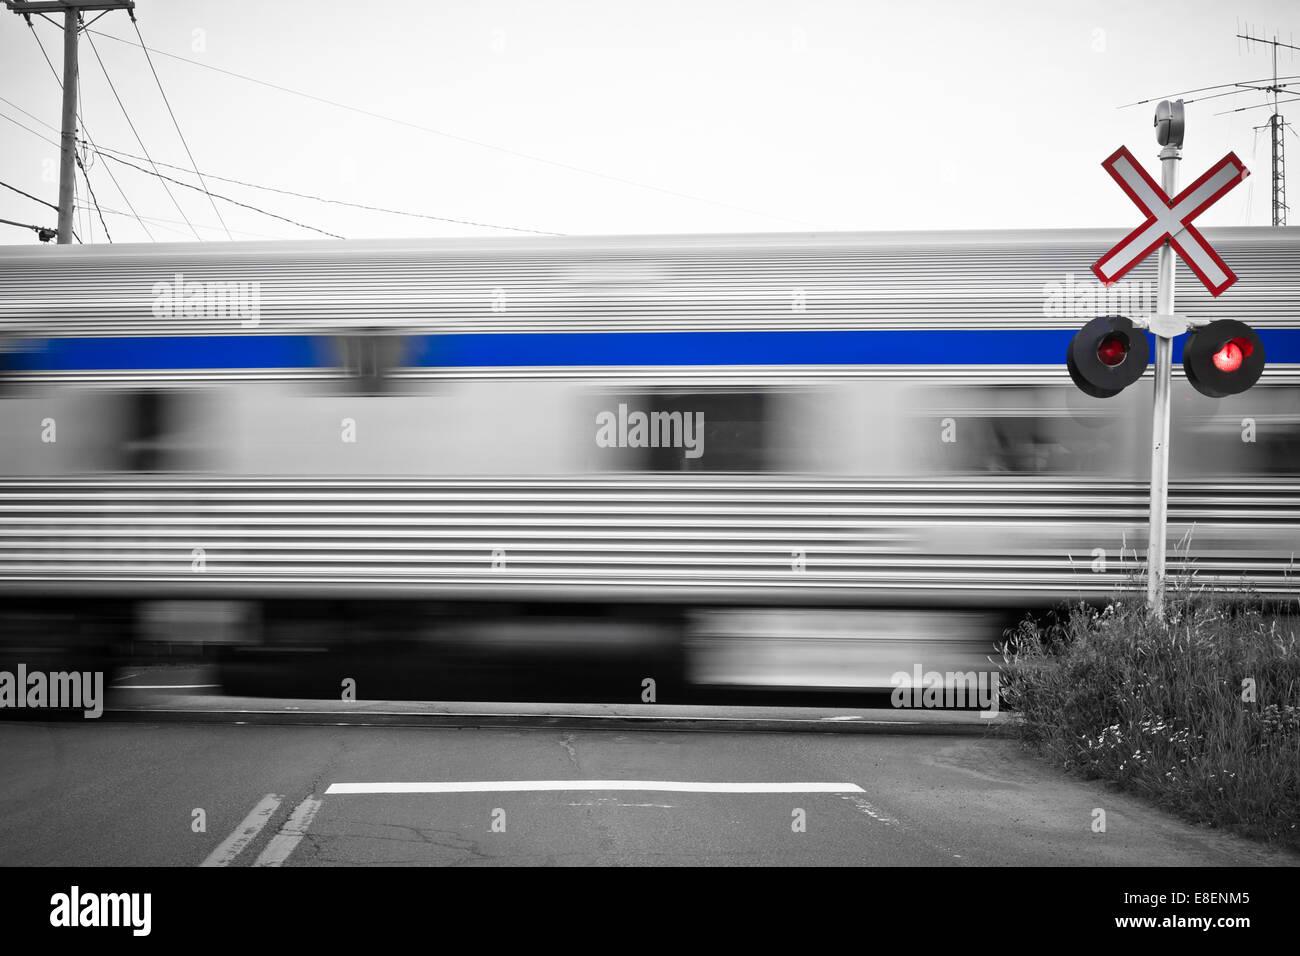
x=218 y=196
x=136 y=134
x=465 y=139
x=99 y=151
x=149 y=60
x=31 y=116
x=340 y=202
x=273 y=189
x=28 y=128
x=163 y=224
x=94 y=199
x=87 y=224
x=29 y=195
x=86 y=129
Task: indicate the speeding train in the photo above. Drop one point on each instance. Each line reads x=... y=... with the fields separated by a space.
x=752 y=460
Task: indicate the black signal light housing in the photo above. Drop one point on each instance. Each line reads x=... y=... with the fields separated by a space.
x=1223 y=358
x=1107 y=355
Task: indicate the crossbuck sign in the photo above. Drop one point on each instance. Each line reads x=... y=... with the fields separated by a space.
x=1170 y=219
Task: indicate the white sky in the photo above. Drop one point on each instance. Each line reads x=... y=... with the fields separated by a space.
x=808 y=113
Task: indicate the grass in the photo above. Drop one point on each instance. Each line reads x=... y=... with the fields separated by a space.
x=1163 y=708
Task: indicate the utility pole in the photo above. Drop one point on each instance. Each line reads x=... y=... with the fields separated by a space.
x=71 y=10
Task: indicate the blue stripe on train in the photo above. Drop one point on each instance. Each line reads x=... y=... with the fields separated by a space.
x=854 y=347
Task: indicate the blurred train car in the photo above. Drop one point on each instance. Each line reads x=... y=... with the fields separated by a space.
x=785 y=461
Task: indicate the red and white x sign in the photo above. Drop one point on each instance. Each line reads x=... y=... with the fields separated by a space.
x=1170 y=219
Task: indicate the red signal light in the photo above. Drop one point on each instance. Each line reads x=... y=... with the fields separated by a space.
x=1223 y=358
x=1112 y=350
x=1228 y=358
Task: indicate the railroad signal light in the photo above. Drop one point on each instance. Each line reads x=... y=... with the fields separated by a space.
x=1113 y=350
x=1223 y=358
x=1228 y=358
x=1107 y=355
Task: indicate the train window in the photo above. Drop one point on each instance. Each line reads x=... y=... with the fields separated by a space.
x=368 y=360
x=697 y=431
x=1247 y=443
x=1021 y=430
x=142 y=444
x=156 y=430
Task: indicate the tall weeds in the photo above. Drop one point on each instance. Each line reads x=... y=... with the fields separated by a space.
x=1199 y=712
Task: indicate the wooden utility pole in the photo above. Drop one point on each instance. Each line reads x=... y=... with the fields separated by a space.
x=71 y=10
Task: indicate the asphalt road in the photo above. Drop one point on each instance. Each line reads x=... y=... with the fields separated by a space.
x=98 y=793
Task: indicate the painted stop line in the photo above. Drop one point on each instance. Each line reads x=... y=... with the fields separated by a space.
x=536 y=786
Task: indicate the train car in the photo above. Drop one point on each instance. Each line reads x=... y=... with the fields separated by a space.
x=784 y=461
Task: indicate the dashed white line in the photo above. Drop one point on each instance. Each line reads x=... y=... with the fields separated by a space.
x=290 y=835
x=521 y=786
x=245 y=833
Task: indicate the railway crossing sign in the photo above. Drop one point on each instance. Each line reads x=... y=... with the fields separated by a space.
x=1111 y=352
x=1170 y=220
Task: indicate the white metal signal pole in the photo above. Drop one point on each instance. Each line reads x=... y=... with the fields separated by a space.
x=1165 y=325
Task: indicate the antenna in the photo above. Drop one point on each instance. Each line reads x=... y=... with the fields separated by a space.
x=1270 y=86
x=1276 y=126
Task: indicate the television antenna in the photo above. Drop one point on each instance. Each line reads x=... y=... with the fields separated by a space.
x=1273 y=87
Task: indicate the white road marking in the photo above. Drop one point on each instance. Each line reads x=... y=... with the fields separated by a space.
x=245 y=833
x=522 y=786
x=290 y=835
x=160 y=686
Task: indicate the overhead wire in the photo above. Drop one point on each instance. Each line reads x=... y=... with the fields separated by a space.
x=163 y=224
x=149 y=60
x=109 y=155
x=91 y=189
x=29 y=195
x=337 y=202
x=143 y=149
x=236 y=202
x=87 y=224
x=531 y=157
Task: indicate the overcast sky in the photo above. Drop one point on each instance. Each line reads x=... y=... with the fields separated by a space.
x=682 y=115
